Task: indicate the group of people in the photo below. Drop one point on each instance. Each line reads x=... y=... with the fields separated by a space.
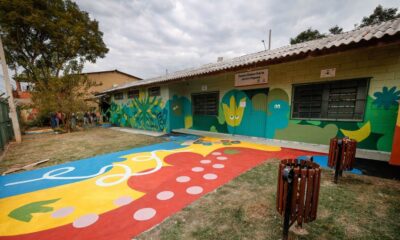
x=86 y=119
x=91 y=118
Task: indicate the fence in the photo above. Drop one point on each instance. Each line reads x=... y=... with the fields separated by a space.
x=6 y=132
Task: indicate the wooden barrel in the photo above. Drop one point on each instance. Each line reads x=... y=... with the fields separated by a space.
x=305 y=190
x=347 y=155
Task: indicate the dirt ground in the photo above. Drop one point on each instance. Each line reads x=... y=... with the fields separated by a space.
x=60 y=148
x=359 y=207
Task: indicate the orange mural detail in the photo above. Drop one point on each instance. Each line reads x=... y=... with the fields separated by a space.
x=395 y=157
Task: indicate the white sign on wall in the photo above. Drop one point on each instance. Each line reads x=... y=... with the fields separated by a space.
x=203 y=87
x=330 y=72
x=251 y=78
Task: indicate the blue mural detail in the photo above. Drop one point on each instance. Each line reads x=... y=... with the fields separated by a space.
x=323 y=162
x=387 y=98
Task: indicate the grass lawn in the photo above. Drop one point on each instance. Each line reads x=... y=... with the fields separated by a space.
x=359 y=207
x=60 y=148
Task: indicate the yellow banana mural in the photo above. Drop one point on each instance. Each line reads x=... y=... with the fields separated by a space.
x=360 y=134
x=233 y=113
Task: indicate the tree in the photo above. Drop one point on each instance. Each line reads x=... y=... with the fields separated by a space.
x=47 y=42
x=336 y=30
x=42 y=37
x=68 y=93
x=379 y=15
x=307 y=35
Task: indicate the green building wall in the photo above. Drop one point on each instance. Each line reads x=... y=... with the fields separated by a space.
x=266 y=113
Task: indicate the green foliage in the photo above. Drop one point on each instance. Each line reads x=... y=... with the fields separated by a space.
x=43 y=37
x=379 y=15
x=307 y=35
x=67 y=94
x=335 y=30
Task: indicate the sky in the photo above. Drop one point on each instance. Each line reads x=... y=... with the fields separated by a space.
x=147 y=37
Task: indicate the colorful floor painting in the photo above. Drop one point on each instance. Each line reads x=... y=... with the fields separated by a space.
x=120 y=195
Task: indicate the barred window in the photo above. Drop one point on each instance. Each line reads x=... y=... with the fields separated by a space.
x=154 y=91
x=118 y=96
x=133 y=93
x=338 y=100
x=205 y=103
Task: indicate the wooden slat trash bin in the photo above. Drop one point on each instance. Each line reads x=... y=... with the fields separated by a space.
x=298 y=191
x=342 y=155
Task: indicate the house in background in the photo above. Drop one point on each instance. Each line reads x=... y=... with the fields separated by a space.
x=109 y=79
x=23 y=100
x=106 y=80
x=341 y=85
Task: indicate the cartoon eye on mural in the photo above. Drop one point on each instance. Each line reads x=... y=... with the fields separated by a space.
x=234 y=113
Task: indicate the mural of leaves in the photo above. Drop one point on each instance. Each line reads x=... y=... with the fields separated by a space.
x=387 y=98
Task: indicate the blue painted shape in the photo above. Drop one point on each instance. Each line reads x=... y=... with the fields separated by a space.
x=323 y=162
x=278 y=117
x=84 y=167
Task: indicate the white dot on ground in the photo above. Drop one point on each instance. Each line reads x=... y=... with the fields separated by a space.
x=197 y=169
x=62 y=212
x=144 y=214
x=85 y=220
x=183 y=179
x=124 y=200
x=222 y=158
x=194 y=190
x=216 y=153
x=218 y=165
x=165 y=195
x=205 y=161
x=210 y=176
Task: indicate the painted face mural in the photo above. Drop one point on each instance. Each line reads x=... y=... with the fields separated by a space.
x=234 y=113
x=120 y=195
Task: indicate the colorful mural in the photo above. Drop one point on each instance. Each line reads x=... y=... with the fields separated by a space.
x=120 y=195
x=264 y=113
x=148 y=113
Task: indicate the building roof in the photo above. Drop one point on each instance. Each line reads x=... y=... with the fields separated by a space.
x=354 y=37
x=114 y=71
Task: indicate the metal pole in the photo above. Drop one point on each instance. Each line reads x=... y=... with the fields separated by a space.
x=338 y=160
x=269 y=39
x=287 y=176
x=13 y=110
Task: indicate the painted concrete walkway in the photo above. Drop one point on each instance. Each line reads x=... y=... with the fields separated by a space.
x=120 y=195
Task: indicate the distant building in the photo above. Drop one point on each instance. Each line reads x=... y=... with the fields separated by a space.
x=109 y=79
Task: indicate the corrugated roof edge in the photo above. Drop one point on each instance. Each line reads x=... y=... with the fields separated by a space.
x=367 y=33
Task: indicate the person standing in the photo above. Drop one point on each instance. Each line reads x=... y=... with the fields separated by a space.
x=85 y=119
x=73 y=121
x=53 y=120
x=58 y=119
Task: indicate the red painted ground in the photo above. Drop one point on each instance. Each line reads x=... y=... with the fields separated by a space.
x=121 y=224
